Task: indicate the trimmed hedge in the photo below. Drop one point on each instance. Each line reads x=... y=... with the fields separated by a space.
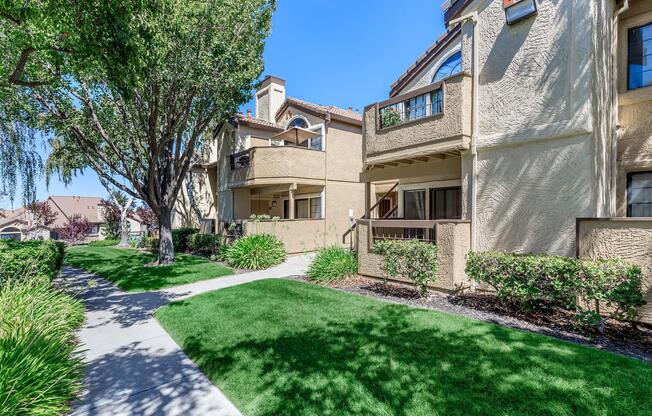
x=413 y=259
x=180 y=238
x=104 y=243
x=19 y=259
x=539 y=282
x=258 y=251
x=204 y=244
x=333 y=263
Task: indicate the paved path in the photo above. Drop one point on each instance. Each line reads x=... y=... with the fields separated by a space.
x=133 y=367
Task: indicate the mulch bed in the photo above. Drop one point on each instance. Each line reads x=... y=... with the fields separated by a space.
x=619 y=337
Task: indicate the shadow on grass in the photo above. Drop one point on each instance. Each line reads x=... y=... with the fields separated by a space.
x=126 y=268
x=393 y=360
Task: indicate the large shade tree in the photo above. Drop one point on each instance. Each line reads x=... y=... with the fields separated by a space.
x=140 y=133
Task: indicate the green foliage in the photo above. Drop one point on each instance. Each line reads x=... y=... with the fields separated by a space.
x=258 y=251
x=529 y=282
x=151 y=244
x=103 y=243
x=413 y=259
x=19 y=259
x=180 y=238
x=389 y=117
x=539 y=282
x=40 y=372
x=132 y=270
x=333 y=263
x=279 y=339
x=204 y=244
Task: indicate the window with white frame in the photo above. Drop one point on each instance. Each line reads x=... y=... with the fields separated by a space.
x=450 y=67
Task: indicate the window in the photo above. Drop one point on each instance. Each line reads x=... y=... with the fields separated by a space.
x=639 y=57
x=298 y=122
x=639 y=194
x=414 y=205
x=451 y=66
x=415 y=107
x=307 y=208
x=315 y=207
x=315 y=143
x=446 y=203
x=436 y=102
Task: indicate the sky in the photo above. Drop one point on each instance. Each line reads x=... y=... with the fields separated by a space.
x=331 y=52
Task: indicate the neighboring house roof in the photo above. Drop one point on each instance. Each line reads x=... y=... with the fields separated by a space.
x=334 y=112
x=11 y=217
x=257 y=123
x=424 y=60
x=67 y=206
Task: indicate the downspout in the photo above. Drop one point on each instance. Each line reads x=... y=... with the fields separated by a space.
x=615 y=110
x=473 y=18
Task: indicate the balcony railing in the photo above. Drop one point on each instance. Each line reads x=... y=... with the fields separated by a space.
x=402 y=229
x=415 y=108
x=241 y=159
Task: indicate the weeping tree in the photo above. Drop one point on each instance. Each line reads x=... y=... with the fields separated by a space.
x=141 y=137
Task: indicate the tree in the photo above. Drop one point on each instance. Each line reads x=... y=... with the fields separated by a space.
x=42 y=216
x=147 y=217
x=119 y=206
x=75 y=230
x=111 y=217
x=207 y=59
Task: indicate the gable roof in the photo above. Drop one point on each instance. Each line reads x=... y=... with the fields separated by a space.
x=348 y=116
x=424 y=59
x=86 y=206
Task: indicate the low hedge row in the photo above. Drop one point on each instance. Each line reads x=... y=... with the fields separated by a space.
x=180 y=238
x=204 y=244
x=103 y=243
x=19 y=259
x=596 y=290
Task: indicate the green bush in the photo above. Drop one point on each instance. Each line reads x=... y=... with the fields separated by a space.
x=180 y=238
x=204 y=244
x=259 y=251
x=539 y=282
x=104 y=243
x=30 y=258
x=333 y=263
x=528 y=282
x=413 y=259
x=150 y=243
x=40 y=372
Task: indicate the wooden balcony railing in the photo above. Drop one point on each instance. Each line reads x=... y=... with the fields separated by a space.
x=402 y=229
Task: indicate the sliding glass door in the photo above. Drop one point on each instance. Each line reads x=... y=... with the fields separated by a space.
x=446 y=203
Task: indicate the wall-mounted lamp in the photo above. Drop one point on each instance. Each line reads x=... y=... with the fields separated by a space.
x=517 y=10
x=273 y=204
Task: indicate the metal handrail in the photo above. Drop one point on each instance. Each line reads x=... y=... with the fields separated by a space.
x=374 y=206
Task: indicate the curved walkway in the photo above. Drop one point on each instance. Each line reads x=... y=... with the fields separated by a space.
x=133 y=367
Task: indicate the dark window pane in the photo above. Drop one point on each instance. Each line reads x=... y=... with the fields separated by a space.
x=315 y=207
x=639 y=195
x=446 y=204
x=414 y=205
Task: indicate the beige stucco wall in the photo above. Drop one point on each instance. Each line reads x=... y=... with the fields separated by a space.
x=454 y=122
x=627 y=239
x=635 y=110
x=298 y=236
x=453 y=242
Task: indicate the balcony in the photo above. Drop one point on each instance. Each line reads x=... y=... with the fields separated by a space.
x=435 y=119
x=272 y=165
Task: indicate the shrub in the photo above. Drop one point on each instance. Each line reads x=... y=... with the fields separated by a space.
x=19 y=259
x=75 y=230
x=258 y=251
x=389 y=117
x=528 y=282
x=204 y=244
x=180 y=238
x=539 y=282
x=40 y=372
x=333 y=263
x=151 y=244
x=103 y=243
x=413 y=259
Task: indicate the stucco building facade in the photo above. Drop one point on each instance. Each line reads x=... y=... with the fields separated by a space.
x=293 y=165
x=518 y=129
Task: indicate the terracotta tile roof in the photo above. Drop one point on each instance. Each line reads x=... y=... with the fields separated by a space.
x=424 y=59
x=338 y=112
x=256 y=122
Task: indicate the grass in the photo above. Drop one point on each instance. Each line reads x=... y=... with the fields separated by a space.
x=126 y=267
x=279 y=347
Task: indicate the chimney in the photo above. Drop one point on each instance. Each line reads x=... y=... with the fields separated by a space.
x=350 y=108
x=269 y=98
x=248 y=112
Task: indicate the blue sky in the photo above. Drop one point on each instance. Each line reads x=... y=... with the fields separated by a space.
x=331 y=52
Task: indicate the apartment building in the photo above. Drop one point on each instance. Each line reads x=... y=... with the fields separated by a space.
x=294 y=161
x=521 y=129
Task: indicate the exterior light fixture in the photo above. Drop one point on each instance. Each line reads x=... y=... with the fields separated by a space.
x=517 y=10
x=273 y=204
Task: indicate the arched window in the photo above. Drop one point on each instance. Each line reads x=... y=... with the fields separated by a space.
x=451 y=66
x=298 y=122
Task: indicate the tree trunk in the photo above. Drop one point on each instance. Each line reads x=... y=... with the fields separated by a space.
x=124 y=234
x=165 y=245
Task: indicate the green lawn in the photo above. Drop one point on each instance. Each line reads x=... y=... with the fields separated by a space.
x=126 y=267
x=279 y=347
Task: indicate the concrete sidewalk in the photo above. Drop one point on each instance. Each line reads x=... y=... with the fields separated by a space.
x=133 y=367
